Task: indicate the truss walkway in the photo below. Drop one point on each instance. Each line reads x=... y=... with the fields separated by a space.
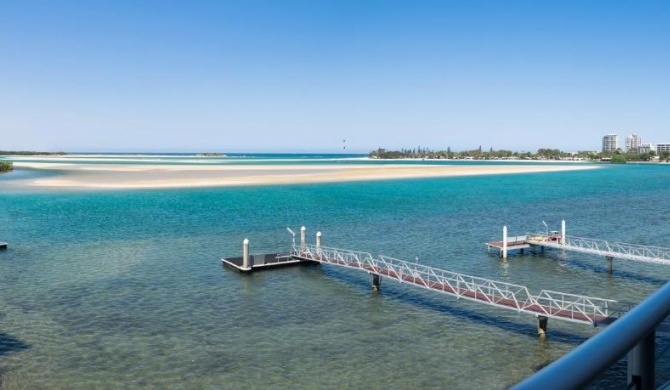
x=548 y=304
x=647 y=254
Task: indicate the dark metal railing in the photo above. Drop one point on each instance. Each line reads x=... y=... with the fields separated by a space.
x=634 y=333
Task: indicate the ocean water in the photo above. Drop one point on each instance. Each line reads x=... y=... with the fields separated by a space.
x=125 y=289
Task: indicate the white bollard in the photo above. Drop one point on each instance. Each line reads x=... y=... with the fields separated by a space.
x=245 y=255
x=504 y=248
x=303 y=235
x=563 y=232
x=318 y=244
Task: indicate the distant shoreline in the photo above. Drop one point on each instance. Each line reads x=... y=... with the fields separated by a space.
x=484 y=160
x=237 y=157
x=30 y=153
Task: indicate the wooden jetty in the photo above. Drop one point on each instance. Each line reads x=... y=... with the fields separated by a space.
x=544 y=305
x=249 y=262
x=523 y=242
x=547 y=304
x=517 y=243
x=598 y=247
x=259 y=261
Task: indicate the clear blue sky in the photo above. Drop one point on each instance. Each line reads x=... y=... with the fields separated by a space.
x=245 y=75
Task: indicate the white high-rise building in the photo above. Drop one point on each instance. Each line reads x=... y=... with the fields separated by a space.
x=610 y=143
x=664 y=147
x=633 y=142
x=646 y=148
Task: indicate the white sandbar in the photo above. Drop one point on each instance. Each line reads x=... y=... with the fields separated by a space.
x=129 y=176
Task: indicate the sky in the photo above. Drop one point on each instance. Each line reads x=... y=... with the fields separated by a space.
x=316 y=76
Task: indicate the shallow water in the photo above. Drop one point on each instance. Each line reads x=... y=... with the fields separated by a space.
x=125 y=289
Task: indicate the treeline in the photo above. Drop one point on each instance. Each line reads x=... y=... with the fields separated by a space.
x=29 y=153
x=6 y=166
x=621 y=158
x=477 y=154
x=541 y=154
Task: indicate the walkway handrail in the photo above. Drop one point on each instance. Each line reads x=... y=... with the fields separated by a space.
x=583 y=364
x=620 y=247
x=460 y=283
x=591 y=307
x=568 y=307
x=654 y=254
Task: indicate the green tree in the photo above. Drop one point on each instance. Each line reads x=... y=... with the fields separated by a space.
x=6 y=166
x=618 y=159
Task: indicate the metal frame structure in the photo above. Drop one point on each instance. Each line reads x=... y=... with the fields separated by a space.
x=648 y=254
x=551 y=304
x=633 y=333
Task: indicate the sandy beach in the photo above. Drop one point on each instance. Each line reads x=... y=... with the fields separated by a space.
x=135 y=176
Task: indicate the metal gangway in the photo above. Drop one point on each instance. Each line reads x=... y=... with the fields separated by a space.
x=548 y=304
x=647 y=254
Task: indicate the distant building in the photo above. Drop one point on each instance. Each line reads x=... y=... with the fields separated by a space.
x=610 y=143
x=633 y=142
x=665 y=147
x=646 y=148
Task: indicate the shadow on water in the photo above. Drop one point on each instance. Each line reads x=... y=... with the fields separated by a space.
x=447 y=308
x=588 y=266
x=602 y=269
x=9 y=344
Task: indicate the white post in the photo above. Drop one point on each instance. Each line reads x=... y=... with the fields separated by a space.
x=245 y=255
x=303 y=233
x=318 y=244
x=504 y=248
x=563 y=232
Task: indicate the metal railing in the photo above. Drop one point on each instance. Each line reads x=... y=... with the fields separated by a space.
x=648 y=254
x=552 y=304
x=578 y=306
x=633 y=333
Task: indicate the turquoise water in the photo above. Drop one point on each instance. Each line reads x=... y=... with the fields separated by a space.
x=124 y=289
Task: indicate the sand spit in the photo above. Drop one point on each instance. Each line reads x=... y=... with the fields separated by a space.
x=135 y=176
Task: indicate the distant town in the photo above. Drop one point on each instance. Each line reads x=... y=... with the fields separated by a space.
x=635 y=147
x=634 y=150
